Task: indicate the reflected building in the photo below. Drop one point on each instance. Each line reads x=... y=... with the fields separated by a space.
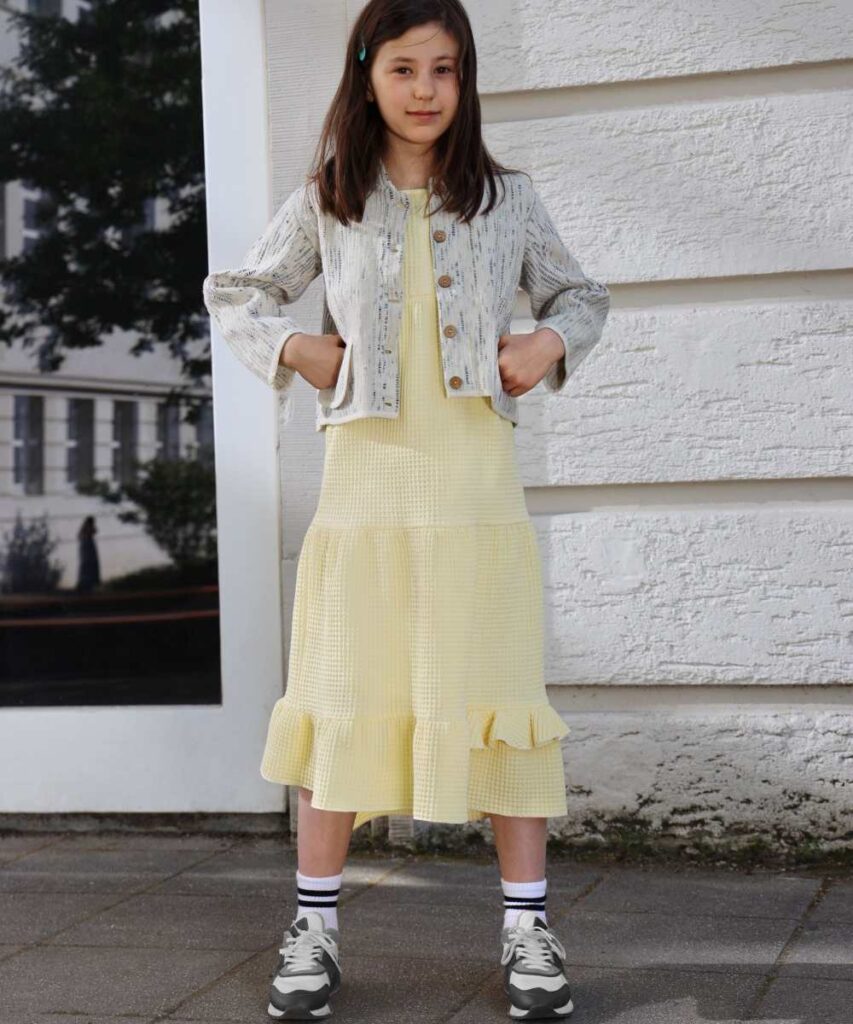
x=92 y=609
x=101 y=412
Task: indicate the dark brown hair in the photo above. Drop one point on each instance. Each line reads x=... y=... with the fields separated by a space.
x=346 y=165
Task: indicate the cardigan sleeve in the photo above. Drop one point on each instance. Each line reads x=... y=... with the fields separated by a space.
x=246 y=303
x=562 y=297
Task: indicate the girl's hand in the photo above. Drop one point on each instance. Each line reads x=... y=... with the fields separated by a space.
x=317 y=357
x=524 y=359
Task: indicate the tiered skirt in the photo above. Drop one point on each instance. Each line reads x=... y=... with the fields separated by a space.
x=415 y=676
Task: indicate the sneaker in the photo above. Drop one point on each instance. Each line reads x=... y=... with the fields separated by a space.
x=534 y=978
x=308 y=970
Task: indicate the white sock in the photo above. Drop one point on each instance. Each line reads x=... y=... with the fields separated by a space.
x=320 y=893
x=520 y=896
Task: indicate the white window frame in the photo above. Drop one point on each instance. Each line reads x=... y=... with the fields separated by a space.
x=196 y=758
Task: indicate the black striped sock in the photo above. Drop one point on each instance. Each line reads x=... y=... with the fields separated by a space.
x=520 y=896
x=319 y=893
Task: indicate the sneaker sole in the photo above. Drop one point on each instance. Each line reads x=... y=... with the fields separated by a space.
x=298 y=1013
x=540 y=1013
x=303 y=1012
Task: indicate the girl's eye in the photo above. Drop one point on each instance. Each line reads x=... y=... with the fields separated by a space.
x=444 y=66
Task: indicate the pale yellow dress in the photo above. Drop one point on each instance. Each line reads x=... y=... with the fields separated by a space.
x=415 y=682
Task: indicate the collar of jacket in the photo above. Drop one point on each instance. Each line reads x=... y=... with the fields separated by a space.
x=397 y=195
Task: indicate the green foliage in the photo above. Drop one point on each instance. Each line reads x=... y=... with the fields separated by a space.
x=175 y=502
x=101 y=115
x=25 y=558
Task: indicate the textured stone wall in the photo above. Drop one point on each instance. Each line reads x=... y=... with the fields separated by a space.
x=692 y=486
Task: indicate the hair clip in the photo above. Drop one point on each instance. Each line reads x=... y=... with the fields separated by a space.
x=362 y=53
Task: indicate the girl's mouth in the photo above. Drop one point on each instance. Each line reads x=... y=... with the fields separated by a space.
x=427 y=116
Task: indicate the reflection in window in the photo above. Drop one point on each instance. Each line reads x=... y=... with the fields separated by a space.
x=168 y=430
x=146 y=221
x=30 y=214
x=125 y=425
x=80 y=463
x=45 y=7
x=28 y=443
x=204 y=434
x=119 y=609
x=30 y=226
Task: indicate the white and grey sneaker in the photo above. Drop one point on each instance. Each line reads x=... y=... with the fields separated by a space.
x=534 y=978
x=308 y=970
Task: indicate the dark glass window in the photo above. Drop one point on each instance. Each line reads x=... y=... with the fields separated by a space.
x=2 y=221
x=125 y=425
x=28 y=444
x=204 y=434
x=81 y=440
x=30 y=210
x=168 y=430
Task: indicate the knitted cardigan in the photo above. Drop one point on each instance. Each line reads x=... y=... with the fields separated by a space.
x=478 y=270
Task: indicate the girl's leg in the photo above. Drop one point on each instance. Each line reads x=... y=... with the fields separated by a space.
x=299 y=988
x=521 y=844
x=322 y=837
x=534 y=989
x=322 y=843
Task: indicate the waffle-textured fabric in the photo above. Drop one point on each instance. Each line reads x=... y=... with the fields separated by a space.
x=415 y=682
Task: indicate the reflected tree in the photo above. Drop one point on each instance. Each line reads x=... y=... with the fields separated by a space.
x=102 y=118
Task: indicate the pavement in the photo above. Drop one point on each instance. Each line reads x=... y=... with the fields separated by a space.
x=130 y=928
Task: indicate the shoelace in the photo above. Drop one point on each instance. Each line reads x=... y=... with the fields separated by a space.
x=304 y=949
x=534 y=946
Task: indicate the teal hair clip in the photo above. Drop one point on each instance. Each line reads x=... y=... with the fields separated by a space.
x=362 y=53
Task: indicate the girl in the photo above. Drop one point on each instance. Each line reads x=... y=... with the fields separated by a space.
x=415 y=678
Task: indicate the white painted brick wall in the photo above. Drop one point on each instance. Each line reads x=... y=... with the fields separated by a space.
x=692 y=486
x=723 y=771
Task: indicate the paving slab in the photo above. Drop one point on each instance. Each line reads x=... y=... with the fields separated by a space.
x=74 y=870
x=14 y=844
x=33 y=917
x=189 y=922
x=377 y=989
x=821 y=950
x=70 y=1018
x=8 y=950
x=120 y=928
x=455 y=881
x=271 y=873
x=426 y=930
x=107 y=981
x=808 y=1001
x=715 y=894
x=608 y=996
x=146 y=841
x=836 y=906
x=699 y=942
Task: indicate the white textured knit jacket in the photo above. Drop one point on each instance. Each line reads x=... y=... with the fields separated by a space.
x=478 y=270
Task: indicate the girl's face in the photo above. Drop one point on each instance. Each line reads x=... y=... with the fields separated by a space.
x=417 y=71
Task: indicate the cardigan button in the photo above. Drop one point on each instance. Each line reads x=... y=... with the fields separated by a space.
x=439 y=235
x=456 y=383
x=445 y=280
x=450 y=331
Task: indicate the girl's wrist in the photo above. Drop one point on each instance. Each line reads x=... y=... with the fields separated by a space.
x=555 y=342
x=290 y=351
